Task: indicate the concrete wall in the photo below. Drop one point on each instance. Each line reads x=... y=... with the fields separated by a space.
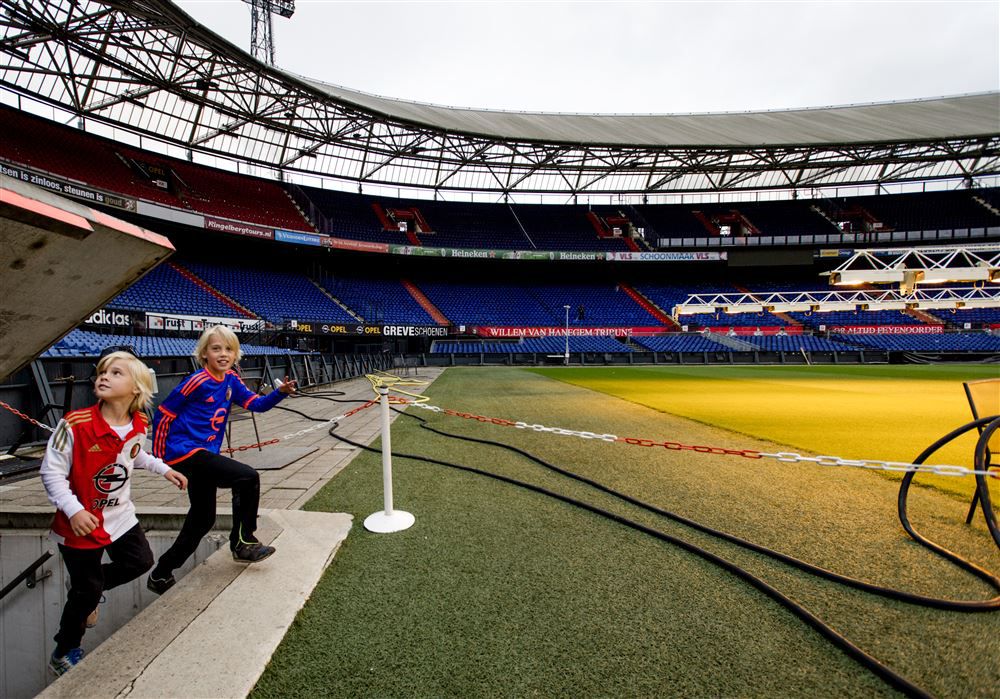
x=29 y=618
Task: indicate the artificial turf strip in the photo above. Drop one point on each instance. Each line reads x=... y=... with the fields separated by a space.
x=496 y=591
x=876 y=412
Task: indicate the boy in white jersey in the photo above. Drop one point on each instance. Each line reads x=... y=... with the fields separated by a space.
x=87 y=473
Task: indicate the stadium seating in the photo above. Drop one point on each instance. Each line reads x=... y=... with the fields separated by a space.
x=255 y=289
x=164 y=289
x=928 y=342
x=378 y=300
x=681 y=343
x=667 y=297
x=519 y=304
x=351 y=216
x=929 y=211
x=464 y=225
x=562 y=228
x=61 y=150
x=835 y=318
x=74 y=154
x=976 y=316
x=796 y=343
x=84 y=343
x=222 y=194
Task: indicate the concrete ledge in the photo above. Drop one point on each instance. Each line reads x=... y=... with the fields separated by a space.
x=151 y=517
x=213 y=634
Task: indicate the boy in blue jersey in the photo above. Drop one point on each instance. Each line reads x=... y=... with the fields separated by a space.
x=188 y=429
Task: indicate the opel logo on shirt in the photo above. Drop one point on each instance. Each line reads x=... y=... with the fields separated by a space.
x=111 y=478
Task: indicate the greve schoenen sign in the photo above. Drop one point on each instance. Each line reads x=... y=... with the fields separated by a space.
x=362 y=329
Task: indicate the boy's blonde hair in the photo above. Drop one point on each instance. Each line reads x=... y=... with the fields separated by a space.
x=141 y=378
x=228 y=338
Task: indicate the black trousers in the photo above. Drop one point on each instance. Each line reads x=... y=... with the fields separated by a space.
x=206 y=472
x=88 y=578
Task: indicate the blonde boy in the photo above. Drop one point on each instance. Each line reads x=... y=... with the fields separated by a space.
x=188 y=429
x=87 y=474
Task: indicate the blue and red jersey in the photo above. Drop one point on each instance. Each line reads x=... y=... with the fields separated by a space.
x=194 y=415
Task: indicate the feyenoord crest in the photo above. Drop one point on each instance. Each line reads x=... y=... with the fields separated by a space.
x=229 y=393
x=130 y=450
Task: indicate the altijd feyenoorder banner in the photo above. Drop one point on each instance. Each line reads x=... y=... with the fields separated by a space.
x=888 y=329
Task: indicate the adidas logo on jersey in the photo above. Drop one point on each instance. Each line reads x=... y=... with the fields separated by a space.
x=211 y=399
x=95 y=448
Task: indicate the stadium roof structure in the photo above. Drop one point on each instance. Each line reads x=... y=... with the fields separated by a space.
x=147 y=67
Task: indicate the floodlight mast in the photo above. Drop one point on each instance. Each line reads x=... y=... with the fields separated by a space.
x=261 y=27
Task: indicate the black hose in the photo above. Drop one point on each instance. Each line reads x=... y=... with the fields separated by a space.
x=954 y=605
x=322 y=395
x=297 y=412
x=888 y=675
x=982 y=463
x=982 y=489
x=869 y=662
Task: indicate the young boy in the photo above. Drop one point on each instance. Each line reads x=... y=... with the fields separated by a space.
x=189 y=427
x=87 y=473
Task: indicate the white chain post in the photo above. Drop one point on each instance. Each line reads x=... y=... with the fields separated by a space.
x=389 y=520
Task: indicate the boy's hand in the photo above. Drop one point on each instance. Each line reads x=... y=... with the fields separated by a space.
x=83 y=522
x=178 y=479
x=288 y=386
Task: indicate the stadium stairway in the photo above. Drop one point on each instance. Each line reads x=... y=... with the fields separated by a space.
x=425 y=303
x=337 y=301
x=734 y=343
x=305 y=217
x=712 y=229
x=195 y=279
x=193 y=626
x=650 y=307
x=925 y=318
x=820 y=211
x=985 y=204
x=382 y=218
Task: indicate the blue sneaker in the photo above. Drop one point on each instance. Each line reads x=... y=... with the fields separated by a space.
x=60 y=665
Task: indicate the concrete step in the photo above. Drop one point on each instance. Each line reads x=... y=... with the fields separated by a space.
x=185 y=644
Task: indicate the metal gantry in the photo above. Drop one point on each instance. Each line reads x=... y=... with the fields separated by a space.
x=945 y=298
x=928 y=265
x=146 y=67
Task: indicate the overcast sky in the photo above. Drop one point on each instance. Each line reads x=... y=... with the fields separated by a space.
x=633 y=57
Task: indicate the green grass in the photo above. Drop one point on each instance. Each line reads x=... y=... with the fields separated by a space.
x=496 y=591
x=877 y=412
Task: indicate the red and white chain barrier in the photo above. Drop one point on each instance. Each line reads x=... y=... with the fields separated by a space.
x=786 y=457
x=783 y=456
x=24 y=417
x=307 y=430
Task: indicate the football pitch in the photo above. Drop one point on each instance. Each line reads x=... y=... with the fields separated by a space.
x=535 y=584
x=888 y=413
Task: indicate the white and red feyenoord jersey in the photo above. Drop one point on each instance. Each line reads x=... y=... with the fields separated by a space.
x=87 y=465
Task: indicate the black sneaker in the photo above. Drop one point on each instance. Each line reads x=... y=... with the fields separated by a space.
x=252 y=552
x=160 y=586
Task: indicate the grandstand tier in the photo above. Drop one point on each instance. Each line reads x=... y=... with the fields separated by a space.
x=82 y=158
